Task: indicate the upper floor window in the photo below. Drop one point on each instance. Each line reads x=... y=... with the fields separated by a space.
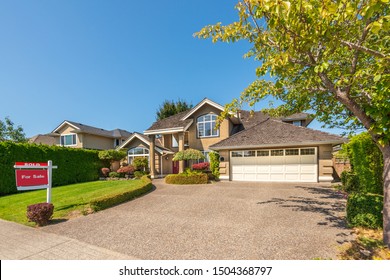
x=297 y=123
x=206 y=126
x=68 y=140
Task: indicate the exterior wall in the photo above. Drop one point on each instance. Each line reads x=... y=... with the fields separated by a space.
x=97 y=142
x=203 y=144
x=68 y=130
x=224 y=166
x=325 y=163
x=340 y=165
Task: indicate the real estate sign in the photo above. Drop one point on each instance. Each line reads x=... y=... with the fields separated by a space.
x=33 y=176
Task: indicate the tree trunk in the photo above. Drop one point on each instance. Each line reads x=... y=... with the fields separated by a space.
x=386 y=194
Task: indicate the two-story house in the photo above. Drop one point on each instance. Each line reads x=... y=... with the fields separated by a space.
x=252 y=148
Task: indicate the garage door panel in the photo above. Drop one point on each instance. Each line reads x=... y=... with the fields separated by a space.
x=283 y=167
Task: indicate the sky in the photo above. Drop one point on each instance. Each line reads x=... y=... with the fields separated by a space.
x=110 y=64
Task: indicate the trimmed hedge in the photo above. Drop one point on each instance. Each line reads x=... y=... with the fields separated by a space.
x=185 y=179
x=365 y=210
x=74 y=165
x=113 y=200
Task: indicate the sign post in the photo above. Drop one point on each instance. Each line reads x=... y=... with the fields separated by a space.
x=34 y=176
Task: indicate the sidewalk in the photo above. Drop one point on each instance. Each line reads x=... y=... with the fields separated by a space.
x=18 y=242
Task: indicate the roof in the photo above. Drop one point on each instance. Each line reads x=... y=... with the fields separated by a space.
x=144 y=138
x=43 y=139
x=200 y=105
x=82 y=128
x=274 y=133
x=171 y=123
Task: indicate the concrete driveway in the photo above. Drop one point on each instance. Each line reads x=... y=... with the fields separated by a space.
x=225 y=220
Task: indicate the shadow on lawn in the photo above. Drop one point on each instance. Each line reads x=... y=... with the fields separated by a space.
x=323 y=200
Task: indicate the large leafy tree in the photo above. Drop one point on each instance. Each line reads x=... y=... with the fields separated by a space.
x=169 y=108
x=328 y=56
x=8 y=131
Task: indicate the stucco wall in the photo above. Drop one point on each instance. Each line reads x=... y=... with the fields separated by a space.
x=224 y=167
x=325 y=163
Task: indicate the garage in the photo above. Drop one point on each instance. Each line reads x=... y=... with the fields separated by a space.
x=275 y=165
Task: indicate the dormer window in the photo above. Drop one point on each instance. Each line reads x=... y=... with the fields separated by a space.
x=297 y=123
x=206 y=126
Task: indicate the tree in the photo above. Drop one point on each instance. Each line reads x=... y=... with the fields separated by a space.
x=189 y=154
x=9 y=133
x=329 y=56
x=170 y=108
x=110 y=156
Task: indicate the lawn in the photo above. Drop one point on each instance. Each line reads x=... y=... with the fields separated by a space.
x=69 y=201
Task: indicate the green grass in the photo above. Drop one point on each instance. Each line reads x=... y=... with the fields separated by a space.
x=69 y=201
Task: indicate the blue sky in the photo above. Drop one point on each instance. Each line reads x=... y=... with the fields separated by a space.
x=110 y=64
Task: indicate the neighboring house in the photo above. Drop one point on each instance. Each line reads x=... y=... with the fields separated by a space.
x=43 y=139
x=77 y=135
x=252 y=147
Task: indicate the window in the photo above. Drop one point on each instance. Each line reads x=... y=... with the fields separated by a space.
x=68 y=140
x=175 y=144
x=249 y=153
x=237 y=154
x=292 y=152
x=206 y=126
x=309 y=151
x=137 y=152
x=206 y=157
x=276 y=153
x=297 y=123
x=117 y=142
x=264 y=153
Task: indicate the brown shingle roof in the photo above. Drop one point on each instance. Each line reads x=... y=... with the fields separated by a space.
x=171 y=122
x=274 y=133
x=116 y=133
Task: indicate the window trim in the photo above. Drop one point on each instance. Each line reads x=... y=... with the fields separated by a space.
x=211 y=121
x=74 y=136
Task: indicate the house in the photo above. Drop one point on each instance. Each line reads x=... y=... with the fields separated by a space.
x=77 y=135
x=251 y=147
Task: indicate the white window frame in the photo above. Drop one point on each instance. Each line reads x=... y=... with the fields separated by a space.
x=297 y=123
x=74 y=136
x=175 y=143
x=132 y=156
x=203 y=123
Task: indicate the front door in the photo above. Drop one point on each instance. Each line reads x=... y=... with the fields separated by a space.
x=175 y=167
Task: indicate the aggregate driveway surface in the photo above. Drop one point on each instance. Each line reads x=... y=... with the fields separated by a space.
x=225 y=220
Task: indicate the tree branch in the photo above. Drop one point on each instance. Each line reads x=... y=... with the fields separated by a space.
x=364 y=49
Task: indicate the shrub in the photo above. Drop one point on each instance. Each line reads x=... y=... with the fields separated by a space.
x=109 y=156
x=184 y=179
x=74 y=165
x=140 y=163
x=189 y=154
x=126 y=170
x=114 y=175
x=139 y=174
x=40 y=213
x=113 y=200
x=365 y=210
x=201 y=166
x=214 y=164
x=105 y=171
x=350 y=181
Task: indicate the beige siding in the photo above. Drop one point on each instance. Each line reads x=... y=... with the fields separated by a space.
x=97 y=142
x=224 y=167
x=325 y=163
x=68 y=130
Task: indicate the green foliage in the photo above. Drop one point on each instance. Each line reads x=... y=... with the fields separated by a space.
x=170 y=108
x=115 y=199
x=114 y=174
x=366 y=162
x=328 y=57
x=40 y=213
x=187 y=179
x=214 y=164
x=189 y=154
x=74 y=165
x=350 y=181
x=140 y=163
x=139 y=174
x=110 y=156
x=365 y=210
x=9 y=133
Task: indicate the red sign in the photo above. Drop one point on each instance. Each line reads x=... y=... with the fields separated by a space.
x=26 y=178
x=31 y=164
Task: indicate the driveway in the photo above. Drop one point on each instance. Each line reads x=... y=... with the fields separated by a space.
x=224 y=220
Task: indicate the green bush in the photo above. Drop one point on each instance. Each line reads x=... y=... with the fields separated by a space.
x=139 y=174
x=365 y=210
x=40 y=213
x=366 y=162
x=113 y=200
x=140 y=163
x=350 y=181
x=74 y=165
x=214 y=164
x=185 y=179
x=114 y=174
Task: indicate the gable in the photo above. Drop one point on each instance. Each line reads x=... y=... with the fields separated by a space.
x=205 y=103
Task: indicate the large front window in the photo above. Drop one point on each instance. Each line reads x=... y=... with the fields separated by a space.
x=137 y=152
x=206 y=126
x=68 y=140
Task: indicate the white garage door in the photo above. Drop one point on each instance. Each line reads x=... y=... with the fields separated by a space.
x=275 y=165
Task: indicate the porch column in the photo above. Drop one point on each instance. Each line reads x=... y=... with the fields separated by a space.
x=181 y=148
x=152 y=156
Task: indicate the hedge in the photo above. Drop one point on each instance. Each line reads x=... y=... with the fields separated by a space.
x=74 y=165
x=112 y=200
x=185 y=179
x=365 y=210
